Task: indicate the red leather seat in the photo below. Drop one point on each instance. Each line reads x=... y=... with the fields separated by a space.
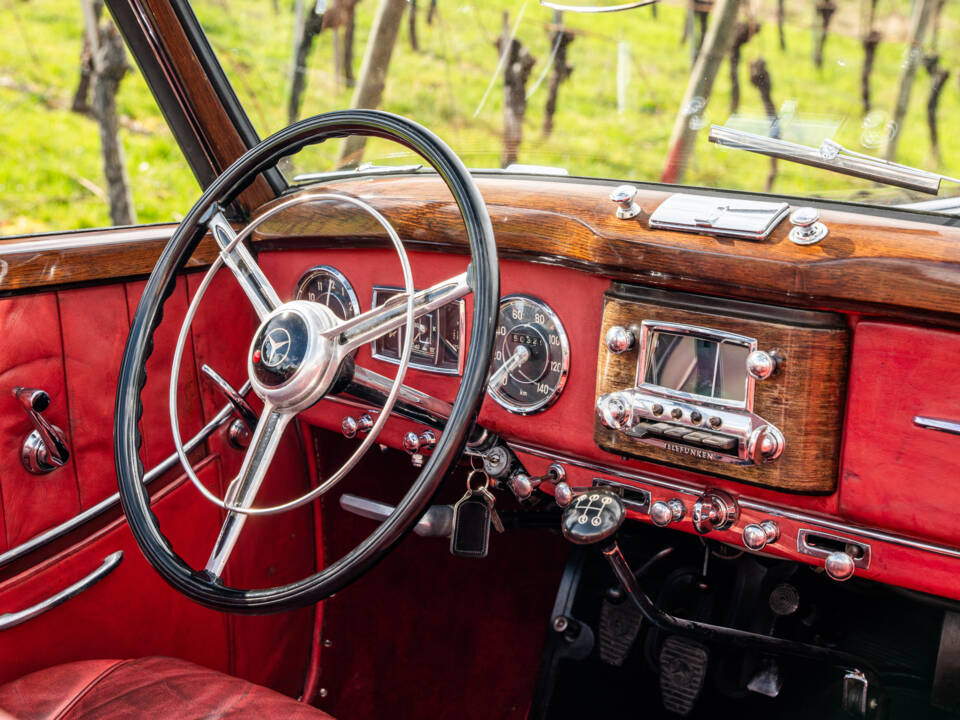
x=152 y=687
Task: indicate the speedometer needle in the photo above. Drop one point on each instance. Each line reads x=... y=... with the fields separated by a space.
x=519 y=357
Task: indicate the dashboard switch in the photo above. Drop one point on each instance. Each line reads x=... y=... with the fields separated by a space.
x=619 y=339
x=663 y=513
x=714 y=510
x=839 y=566
x=351 y=427
x=756 y=536
x=625 y=198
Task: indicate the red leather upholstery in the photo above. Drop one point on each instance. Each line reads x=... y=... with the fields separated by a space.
x=152 y=687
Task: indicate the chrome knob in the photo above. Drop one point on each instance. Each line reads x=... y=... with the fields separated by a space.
x=351 y=427
x=765 y=444
x=663 y=513
x=807 y=228
x=714 y=510
x=562 y=494
x=615 y=410
x=523 y=485
x=840 y=566
x=756 y=536
x=619 y=339
x=762 y=364
x=423 y=442
x=625 y=197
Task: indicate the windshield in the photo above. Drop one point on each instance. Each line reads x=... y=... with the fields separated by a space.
x=628 y=95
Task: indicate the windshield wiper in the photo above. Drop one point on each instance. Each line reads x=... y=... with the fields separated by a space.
x=832 y=156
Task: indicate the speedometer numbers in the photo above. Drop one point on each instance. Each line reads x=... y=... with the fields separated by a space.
x=534 y=384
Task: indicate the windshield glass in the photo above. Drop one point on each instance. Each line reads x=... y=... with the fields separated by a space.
x=628 y=95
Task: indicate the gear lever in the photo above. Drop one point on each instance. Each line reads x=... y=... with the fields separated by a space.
x=594 y=517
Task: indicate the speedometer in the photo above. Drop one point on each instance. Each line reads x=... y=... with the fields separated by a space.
x=535 y=383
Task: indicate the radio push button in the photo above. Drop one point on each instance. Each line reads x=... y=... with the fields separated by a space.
x=720 y=442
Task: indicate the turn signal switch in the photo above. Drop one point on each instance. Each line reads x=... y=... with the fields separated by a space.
x=756 y=536
x=352 y=427
x=419 y=445
x=45 y=448
x=714 y=510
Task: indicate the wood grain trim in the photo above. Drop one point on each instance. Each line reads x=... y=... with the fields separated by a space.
x=100 y=255
x=867 y=263
x=804 y=399
x=220 y=136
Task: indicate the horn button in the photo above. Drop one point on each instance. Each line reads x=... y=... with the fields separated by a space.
x=290 y=363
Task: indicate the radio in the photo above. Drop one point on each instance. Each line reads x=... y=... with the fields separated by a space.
x=738 y=389
x=694 y=393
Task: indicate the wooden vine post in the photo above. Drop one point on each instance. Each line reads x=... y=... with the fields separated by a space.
x=109 y=65
x=373 y=72
x=780 y=21
x=824 y=10
x=760 y=79
x=414 y=45
x=923 y=11
x=938 y=78
x=870 y=37
x=560 y=37
x=342 y=18
x=308 y=22
x=518 y=62
x=741 y=36
x=697 y=96
x=81 y=98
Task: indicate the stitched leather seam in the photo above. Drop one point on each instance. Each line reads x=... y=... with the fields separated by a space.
x=89 y=686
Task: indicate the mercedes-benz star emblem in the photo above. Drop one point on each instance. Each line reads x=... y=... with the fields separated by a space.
x=275 y=347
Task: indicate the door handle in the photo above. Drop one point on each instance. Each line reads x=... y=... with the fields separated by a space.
x=109 y=564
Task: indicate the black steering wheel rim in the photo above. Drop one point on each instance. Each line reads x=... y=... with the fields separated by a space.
x=485 y=283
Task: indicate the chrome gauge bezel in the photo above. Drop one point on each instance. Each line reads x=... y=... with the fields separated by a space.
x=318 y=270
x=546 y=402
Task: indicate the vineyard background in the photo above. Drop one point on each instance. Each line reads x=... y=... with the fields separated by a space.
x=51 y=174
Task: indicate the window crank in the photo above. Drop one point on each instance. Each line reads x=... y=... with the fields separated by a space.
x=45 y=448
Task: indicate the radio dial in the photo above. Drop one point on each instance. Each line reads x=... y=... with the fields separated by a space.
x=765 y=444
x=615 y=410
x=762 y=364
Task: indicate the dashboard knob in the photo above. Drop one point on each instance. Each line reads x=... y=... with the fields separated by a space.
x=663 y=513
x=839 y=566
x=351 y=427
x=807 y=228
x=562 y=494
x=523 y=485
x=765 y=444
x=619 y=339
x=615 y=410
x=762 y=364
x=714 y=510
x=756 y=536
x=625 y=198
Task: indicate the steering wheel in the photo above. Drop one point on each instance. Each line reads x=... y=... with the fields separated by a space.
x=299 y=353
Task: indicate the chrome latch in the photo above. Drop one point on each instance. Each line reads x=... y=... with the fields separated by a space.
x=45 y=448
x=807 y=228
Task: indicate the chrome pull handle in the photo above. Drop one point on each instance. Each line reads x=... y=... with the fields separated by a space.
x=45 y=448
x=109 y=564
x=242 y=407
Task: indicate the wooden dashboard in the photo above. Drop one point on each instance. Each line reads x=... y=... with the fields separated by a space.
x=890 y=283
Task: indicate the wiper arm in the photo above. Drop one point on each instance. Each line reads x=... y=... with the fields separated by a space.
x=832 y=156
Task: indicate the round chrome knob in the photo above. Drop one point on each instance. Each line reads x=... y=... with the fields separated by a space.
x=761 y=364
x=839 y=566
x=663 y=513
x=624 y=196
x=562 y=494
x=807 y=230
x=756 y=536
x=714 y=510
x=522 y=486
x=614 y=410
x=351 y=427
x=765 y=444
x=414 y=443
x=618 y=339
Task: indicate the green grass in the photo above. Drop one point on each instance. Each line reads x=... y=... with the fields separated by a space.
x=51 y=169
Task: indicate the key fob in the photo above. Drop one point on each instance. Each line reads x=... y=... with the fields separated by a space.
x=471 y=527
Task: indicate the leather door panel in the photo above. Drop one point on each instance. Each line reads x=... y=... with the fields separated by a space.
x=31 y=355
x=94 y=325
x=131 y=612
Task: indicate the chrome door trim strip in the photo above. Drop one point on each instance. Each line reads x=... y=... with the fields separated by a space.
x=68 y=526
x=109 y=564
x=677 y=486
x=94 y=238
x=947 y=426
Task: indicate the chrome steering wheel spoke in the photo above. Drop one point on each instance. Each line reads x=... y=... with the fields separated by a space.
x=243 y=489
x=350 y=334
x=238 y=259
